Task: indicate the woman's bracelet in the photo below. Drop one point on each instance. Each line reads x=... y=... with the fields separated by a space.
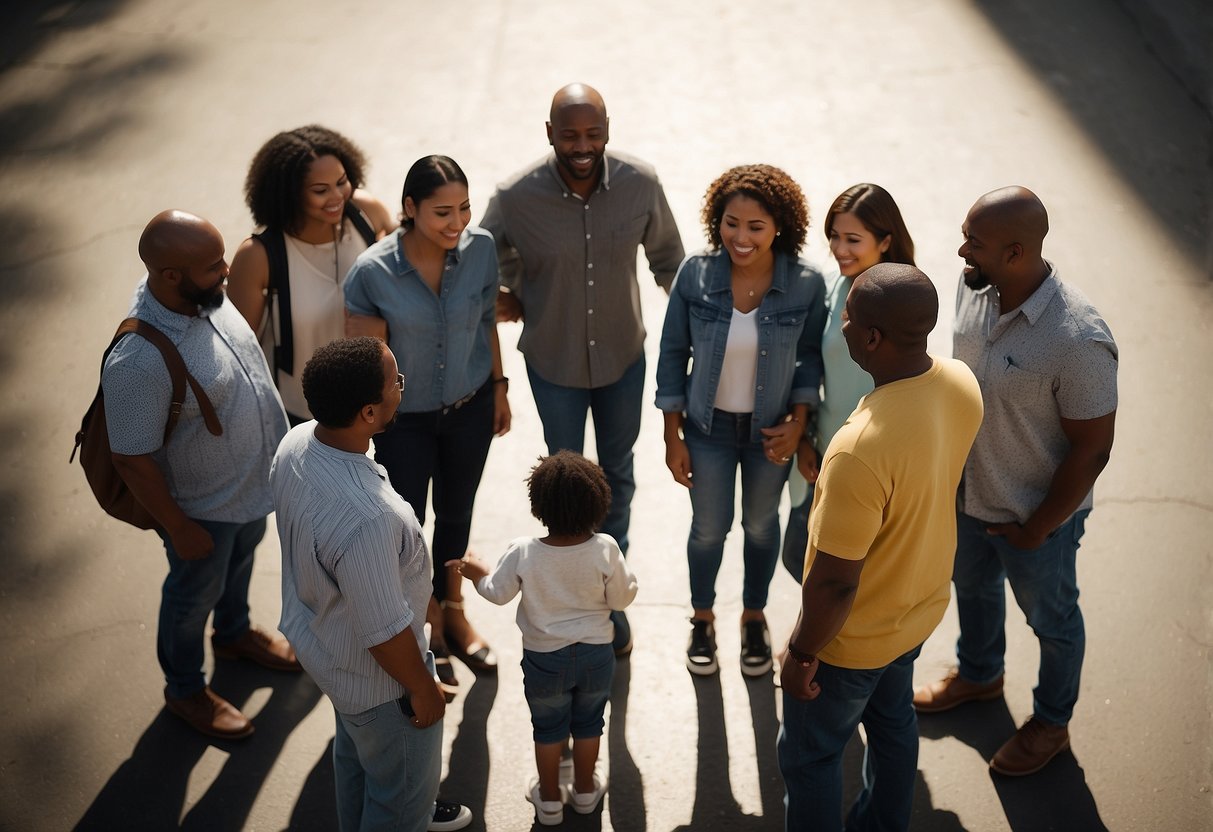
x=503 y=380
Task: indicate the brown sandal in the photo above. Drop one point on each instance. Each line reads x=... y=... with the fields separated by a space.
x=477 y=655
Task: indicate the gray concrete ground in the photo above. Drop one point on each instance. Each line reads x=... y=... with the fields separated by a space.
x=113 y=110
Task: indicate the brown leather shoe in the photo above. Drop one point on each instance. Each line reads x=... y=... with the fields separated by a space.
x=209 y=713
x=269 y=651
x=1031 y=748
x=951 y=691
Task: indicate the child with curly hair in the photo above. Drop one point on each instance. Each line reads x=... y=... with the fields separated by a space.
x=570 y=582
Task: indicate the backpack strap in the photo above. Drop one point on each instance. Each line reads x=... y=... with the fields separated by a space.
x=279 y=290
x=360 y=221
x=177 y=372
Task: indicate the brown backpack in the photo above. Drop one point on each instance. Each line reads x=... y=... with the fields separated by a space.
x=93 y=440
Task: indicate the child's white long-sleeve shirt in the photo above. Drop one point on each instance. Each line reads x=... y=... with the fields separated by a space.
x=568 y=592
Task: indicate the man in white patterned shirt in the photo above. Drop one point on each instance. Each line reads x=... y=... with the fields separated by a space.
x=355 y=585
x=1046 y=363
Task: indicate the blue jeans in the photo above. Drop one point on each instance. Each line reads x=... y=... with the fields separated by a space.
x=715 y=458
x=1046 y=589
x=616 y=410
x=448 y=447
x=386 y=770
x=567 y=690
x=195 y=588
x=815 y=734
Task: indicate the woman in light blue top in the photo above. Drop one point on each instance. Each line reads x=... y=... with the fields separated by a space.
x=751 y=314
x=430 y=290
x=864 y=227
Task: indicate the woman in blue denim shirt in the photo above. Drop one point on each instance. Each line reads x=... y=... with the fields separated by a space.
x=751 y=314
x=430 y=291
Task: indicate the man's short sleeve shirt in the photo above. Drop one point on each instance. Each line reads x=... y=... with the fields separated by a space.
x=1052 y=358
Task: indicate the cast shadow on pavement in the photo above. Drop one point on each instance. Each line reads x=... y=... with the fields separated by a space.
x=150 y=790
x=466 y=781
x=1057 y=797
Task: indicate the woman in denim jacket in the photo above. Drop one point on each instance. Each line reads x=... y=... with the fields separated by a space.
x=751 y=314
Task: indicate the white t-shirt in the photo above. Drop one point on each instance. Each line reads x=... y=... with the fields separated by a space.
x=739 y=371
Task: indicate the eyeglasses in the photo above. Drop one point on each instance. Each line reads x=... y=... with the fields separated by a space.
x=400 y=382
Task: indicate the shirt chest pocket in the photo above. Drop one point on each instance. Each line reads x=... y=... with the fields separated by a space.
x=704 y=318
x=1019 y=387
x=789 y=323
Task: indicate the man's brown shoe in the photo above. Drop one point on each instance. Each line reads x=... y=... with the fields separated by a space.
x=270 y=651
x=209 y=713
x=1031 y=748
x=951 y=691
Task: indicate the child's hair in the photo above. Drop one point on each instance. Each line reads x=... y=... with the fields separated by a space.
x=569 y=494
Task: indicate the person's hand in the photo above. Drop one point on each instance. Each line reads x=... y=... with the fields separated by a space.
x=780 y=442
x=501 y=410
x=470 y=567
x=806 y=460
x=1017 y=535
x=508 y=307
x=429 y=705
x=678 y=460
x=191 y=541
x=796 y=679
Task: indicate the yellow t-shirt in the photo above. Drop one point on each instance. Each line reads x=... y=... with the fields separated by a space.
x=887 y=495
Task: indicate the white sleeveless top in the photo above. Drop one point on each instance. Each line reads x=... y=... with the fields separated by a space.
x=739 y=371
x=317 y=274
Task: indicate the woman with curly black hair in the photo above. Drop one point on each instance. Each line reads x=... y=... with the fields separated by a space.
x=751 y=312
x=303 y=189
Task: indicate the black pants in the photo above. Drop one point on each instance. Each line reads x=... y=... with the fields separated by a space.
x=447 y=448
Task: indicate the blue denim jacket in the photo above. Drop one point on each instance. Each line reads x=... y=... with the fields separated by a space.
x=790 y=322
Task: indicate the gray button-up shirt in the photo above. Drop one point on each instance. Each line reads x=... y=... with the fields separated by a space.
x=221 y=478
x=1052 y=358
x=572 y=265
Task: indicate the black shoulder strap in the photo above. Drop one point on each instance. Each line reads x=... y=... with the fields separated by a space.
x=360 y=221
x=280 y=291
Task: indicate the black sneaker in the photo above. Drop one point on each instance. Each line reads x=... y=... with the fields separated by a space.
x=755 y=648
x=449 y=816
x=701 y=651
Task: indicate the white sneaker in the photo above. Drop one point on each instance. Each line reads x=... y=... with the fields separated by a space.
x=547 y=812
x=584 y=804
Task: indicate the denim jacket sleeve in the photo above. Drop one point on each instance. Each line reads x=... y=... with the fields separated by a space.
x=675 y=350
x=810 y=367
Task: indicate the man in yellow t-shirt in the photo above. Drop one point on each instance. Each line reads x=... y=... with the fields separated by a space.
x=882 y=536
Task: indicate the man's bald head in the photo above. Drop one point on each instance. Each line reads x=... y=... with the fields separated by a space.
x=1015 y=215
x=900 y=301
x=576 y=95
x=174 y=239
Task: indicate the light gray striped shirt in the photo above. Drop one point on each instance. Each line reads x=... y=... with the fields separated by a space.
x=1052 y=358
x=355 y=568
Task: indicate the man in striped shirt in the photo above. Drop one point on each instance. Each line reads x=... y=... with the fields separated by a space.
x=355 y=584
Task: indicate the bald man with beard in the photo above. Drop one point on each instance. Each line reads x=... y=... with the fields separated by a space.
x=567 y=229
x=1047 y=365
x=209 y=493
x=882 y=534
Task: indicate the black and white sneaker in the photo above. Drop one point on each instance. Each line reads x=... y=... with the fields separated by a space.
x=755 y=648
x=701 y=650
x=449 y=816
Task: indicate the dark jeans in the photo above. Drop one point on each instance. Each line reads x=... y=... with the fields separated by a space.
x=616 y=409
x=193 y=589
x=815 y=734
x=447 y=448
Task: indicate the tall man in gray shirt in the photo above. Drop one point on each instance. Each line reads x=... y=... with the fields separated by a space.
x=209 y=493
x=567 y=229
x=1046 y=363
x=355 y=585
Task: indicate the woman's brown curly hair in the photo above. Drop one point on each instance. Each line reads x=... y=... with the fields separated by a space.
x=273 y=188
x=774 y=189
